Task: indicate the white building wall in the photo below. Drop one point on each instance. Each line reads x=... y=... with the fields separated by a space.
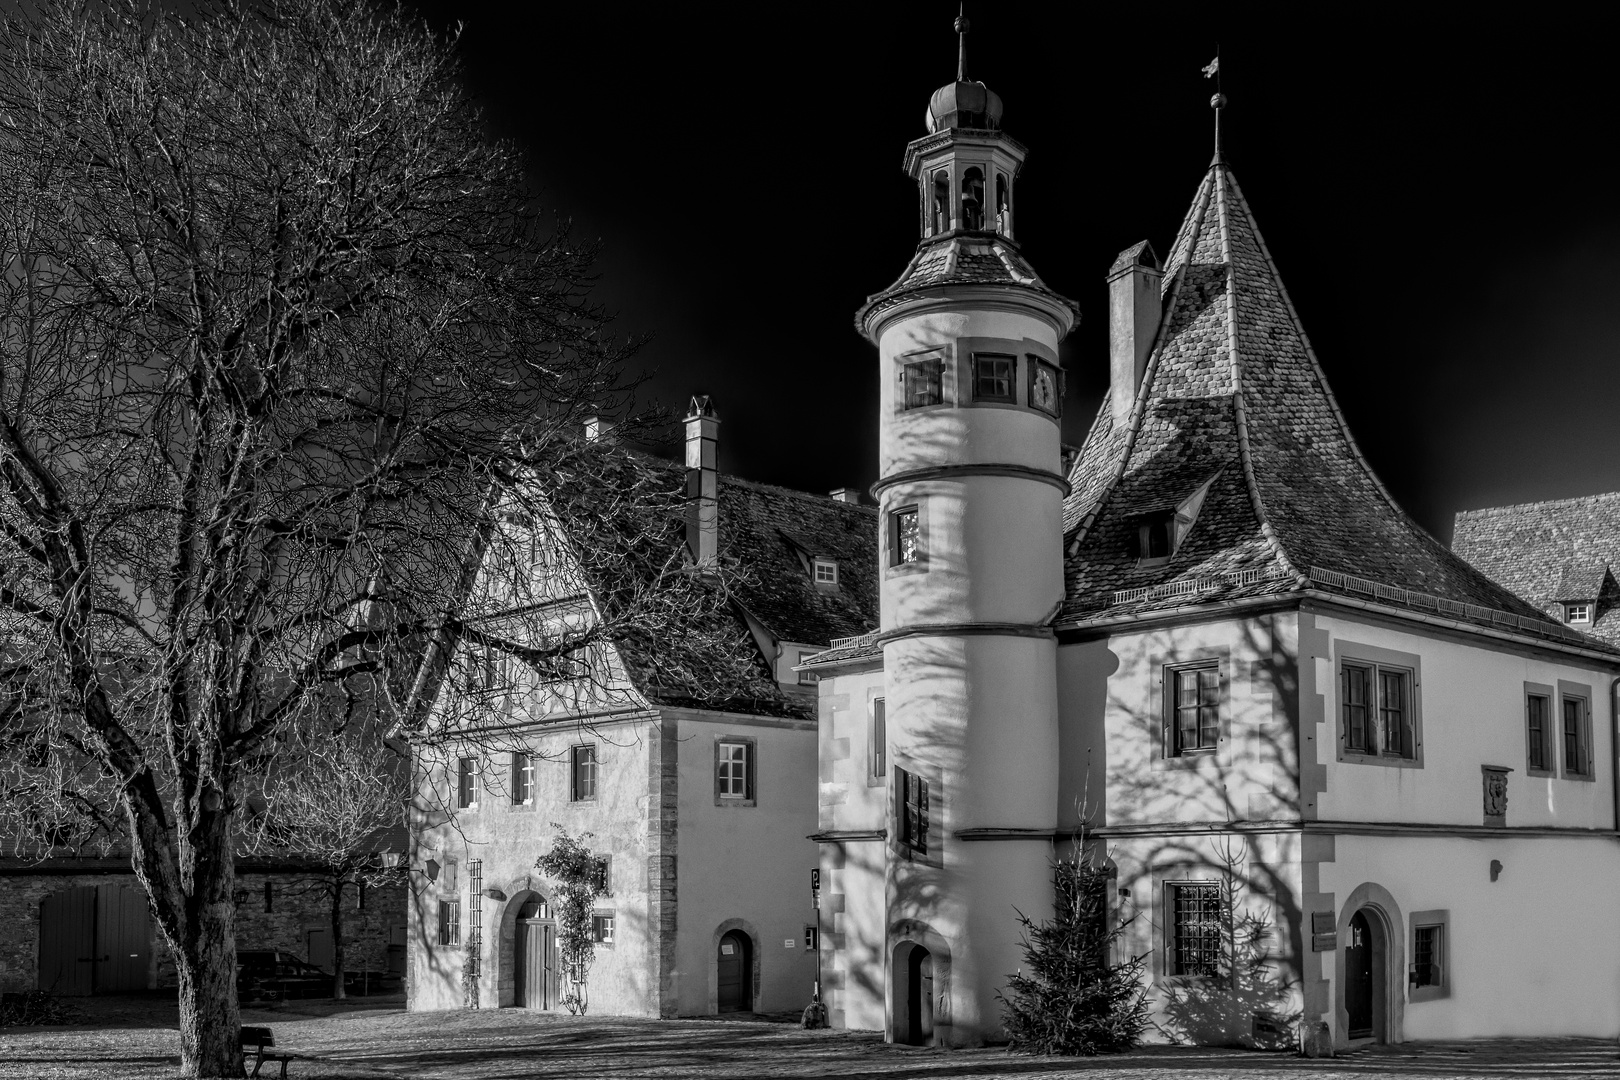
x=746 y=867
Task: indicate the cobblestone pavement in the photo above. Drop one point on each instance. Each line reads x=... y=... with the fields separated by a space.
x=389 y=1044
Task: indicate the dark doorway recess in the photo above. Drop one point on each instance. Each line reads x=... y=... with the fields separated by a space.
x=920 y=997
x=1358 y=978
x=735 y=965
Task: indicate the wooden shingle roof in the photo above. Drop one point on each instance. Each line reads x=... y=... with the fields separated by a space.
x=1234 y=402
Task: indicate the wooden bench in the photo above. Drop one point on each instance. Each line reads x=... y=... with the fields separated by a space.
x=261 y=1040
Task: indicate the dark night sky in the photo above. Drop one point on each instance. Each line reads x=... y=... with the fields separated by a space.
x=1441 y=200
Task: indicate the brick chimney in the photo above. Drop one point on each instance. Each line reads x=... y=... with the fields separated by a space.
x=702 y=482
x=1134 y=310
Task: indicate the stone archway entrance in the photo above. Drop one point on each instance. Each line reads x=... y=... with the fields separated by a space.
x=734 y=969
x=1358 y=978
x=920 y=996
x=535 y=957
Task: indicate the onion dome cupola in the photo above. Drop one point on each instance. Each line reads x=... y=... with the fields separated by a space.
x=965 y=169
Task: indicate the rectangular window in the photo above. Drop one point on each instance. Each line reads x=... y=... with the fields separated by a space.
x=1575 y=743
x=1428 y=976
x=905 y=537
x=808 y=678
x=1538 y=733
x=602 y=928
x=360 y=896
x=734 y=771
x=1578 y=613
x=1195 y=928
x=826 y=571
x=522 y=780
x=923 y=383
x=1377 y=713
x=1155 y=537
x=582 y=770
x=912 y=792
x=449 y=922
x=993 y=378
x=880 y=739
x=466 y=783
x=1194 y=694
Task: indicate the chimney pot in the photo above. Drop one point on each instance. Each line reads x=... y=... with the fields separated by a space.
x=1134 y=311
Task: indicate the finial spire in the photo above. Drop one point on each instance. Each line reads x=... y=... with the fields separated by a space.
x=961 y=42
x=1212 y=70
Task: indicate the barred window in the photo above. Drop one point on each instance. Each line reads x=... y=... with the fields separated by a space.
x=1195 y=705
x=1195 y=928
x=449 y=922
x=1428 y=943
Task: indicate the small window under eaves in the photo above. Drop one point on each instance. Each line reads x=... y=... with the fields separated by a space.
x=1160 y=535
x=824 y=571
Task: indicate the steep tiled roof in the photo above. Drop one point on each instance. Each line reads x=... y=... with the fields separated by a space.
x=762 y=531
x=958 y=258
x=1233 y=397
x=1550 y=551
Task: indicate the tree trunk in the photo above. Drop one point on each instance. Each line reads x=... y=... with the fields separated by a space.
x=205 y=960
x=337 y=938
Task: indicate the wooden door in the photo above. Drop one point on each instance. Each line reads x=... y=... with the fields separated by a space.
x=550 y=960
x=1358 y=978
x=318 y=948
x=123 y=939
x=735 y=971
x=67 y=942
x=920 y=997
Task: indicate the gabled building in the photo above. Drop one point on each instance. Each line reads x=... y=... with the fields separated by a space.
x=1334 y=768
x=697 y=788
x=1557 y=555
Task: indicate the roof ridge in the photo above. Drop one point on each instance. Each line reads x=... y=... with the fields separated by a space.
x=796 y=493
x=1540 y=504
x=1235 y=359
x=1133 y=424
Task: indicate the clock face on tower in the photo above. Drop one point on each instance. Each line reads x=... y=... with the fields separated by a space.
x=1043 y=387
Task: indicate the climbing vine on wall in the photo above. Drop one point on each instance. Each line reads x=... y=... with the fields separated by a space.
x=581 y=877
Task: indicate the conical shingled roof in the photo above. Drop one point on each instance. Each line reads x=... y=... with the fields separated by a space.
x=1234 y=403
x=960 y=258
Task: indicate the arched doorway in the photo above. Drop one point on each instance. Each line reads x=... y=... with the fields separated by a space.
x=1366 y=977
x=920 y=997
x=535 y=959
x=734 y=969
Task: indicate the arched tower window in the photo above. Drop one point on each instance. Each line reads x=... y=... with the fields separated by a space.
x=1003 y=205
x=940 y=220
x=973 y=199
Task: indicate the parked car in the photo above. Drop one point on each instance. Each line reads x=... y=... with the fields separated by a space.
x=262 y=972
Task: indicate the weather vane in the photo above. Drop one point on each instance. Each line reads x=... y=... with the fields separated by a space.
x=1212 y=70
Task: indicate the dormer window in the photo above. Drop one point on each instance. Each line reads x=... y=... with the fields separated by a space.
x=940 y=218
x=824 y=571
x=973 y=199
x=1578 y=613
x=1155 y=537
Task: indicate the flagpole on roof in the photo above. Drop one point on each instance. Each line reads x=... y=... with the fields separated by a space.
x=1212 y=70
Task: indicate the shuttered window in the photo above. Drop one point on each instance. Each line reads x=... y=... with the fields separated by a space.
x=1356 y=682
x=913 y=810
x=1538 y=733
x=923 y=383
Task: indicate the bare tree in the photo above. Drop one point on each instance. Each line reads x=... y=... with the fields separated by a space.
x=283 y=342
x=337 y=800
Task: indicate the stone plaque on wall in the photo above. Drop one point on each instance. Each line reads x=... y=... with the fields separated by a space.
x=1324 y=934
x=1495 y=780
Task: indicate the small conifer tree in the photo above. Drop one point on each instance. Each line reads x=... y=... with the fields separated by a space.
x=1074 y=997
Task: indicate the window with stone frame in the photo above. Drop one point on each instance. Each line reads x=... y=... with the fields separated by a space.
x=922 y=383
x=466 y=783
x=995 y=378
x=1192 y=694
x=522 y=779
x=734 y=770
x=602 y=928
x=824 y=571
x=582 y=773
x=1541 y=753
x=1377 y=710
x=879 y=741
x=1196 y=930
